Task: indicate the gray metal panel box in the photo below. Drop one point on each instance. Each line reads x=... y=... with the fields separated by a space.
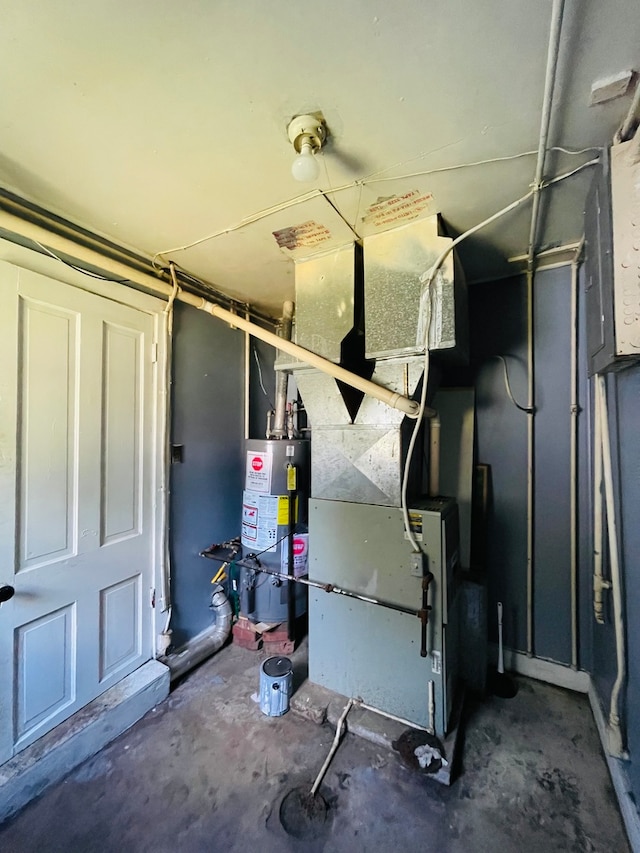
x=360 y=649
x=612 y=263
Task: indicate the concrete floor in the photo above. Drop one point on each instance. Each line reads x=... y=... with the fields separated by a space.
x=206 y=771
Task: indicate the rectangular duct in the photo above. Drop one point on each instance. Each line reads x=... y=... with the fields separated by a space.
x=394 y=296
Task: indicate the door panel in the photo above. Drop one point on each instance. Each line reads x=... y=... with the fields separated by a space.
x=48 y=365
x=121 y=433
x=120 y=636
x=78 y=429
x=45 y=644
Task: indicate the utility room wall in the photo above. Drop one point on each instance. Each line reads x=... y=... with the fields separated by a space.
x=499 y=327
x=206 y=487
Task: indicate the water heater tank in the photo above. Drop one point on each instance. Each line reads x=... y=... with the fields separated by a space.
x=265 y=526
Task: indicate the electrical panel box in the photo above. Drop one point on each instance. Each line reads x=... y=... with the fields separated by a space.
x=612 y=262
x=357 y=648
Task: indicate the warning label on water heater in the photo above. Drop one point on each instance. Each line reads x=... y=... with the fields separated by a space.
x=259 y=521
x=300 y=555
x=258 y=478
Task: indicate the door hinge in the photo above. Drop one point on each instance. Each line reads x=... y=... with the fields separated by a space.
x=154 y=352
x=152 y=597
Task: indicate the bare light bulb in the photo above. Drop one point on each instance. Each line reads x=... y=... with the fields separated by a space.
x=305 y=167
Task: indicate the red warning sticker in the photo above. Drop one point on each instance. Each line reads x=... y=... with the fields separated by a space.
x=258 y=472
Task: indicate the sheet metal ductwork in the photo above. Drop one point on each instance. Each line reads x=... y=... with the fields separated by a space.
x=364 y=307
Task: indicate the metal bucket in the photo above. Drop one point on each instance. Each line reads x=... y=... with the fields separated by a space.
x=276 y=675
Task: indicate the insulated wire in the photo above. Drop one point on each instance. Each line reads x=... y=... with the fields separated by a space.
x=264 y=390
x=316 y=193
x=507 y=385
x=79 y=269
x=427 y=279
x=416 y=428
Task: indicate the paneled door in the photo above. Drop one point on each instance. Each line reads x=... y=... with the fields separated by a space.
x=76 y=527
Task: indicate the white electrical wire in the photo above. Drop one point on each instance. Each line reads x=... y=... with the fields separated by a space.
x=427 y=279
x=416 y=426
x=264 y=390
x=507 y=385
x=317 y=193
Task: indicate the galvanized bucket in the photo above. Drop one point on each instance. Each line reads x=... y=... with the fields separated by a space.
x=276 y=675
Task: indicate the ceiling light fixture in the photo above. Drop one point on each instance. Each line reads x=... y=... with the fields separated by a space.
x=307 y=133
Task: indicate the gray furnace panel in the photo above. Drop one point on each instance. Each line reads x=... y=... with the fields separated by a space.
x=360 y=649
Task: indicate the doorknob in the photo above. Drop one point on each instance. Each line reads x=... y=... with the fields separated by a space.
x=6 y=592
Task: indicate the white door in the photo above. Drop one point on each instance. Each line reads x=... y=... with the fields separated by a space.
x=76 y=532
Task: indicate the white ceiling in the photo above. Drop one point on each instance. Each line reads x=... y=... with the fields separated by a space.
x=158 y=123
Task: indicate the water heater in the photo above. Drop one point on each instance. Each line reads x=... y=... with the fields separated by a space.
x=265 y=526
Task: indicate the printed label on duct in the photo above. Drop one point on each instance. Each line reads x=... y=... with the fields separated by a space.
x=259 y=520
x=300 y=555
x=258 y=478
x=397 y=209
x=306 y=235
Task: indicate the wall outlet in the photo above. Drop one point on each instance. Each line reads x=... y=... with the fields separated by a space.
x=417 y=564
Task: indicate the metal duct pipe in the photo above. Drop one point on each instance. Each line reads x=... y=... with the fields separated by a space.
x=282 y=377
x=66 y=246
x=208 y=642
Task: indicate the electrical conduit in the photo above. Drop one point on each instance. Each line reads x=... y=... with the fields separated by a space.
x=614 y=731
x=549 y=83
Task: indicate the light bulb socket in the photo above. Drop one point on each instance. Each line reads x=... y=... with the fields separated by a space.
x=307 y=128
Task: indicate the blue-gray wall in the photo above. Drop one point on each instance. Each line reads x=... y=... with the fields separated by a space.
x=206 y=488
x=627 y=393
x=623 y=395
x=498 y=323
x=498 y=326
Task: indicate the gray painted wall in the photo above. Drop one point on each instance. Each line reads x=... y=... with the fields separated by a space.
x=206 y=488
x=623 y=394
x=498 y=319
x=627 y=395
x=499 y=326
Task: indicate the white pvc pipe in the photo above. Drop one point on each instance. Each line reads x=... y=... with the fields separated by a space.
x=66 y=246
x=598 y=539
x=616 y=747
x=391 y=398
x=432 y=707
x=394 y=717
x=334 y=746
x=247 y=378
